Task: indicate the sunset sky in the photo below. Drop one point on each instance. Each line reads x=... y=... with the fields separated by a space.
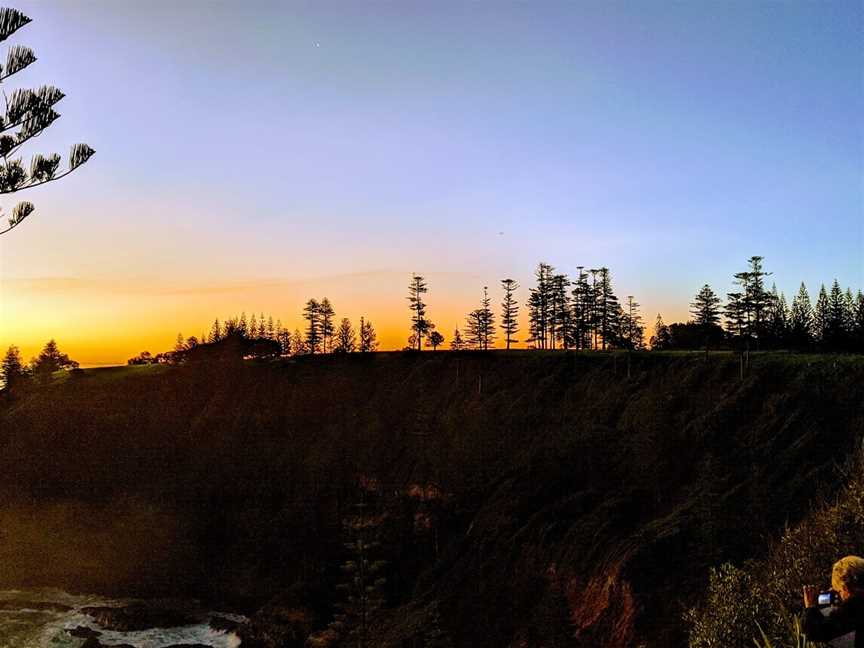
x=251 y=155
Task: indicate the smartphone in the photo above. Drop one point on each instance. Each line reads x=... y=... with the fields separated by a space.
x=828 y=598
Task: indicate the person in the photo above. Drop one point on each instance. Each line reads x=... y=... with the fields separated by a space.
x=847 y=579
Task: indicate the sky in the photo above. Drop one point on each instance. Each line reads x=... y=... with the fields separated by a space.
x=252 y=155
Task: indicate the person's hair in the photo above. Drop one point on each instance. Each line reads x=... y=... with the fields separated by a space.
x=849 y=571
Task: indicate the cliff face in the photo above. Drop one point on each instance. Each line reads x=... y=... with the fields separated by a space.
x=531 y=499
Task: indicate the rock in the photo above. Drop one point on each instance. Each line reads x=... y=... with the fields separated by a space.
x=83 y=632
x=188 y=646
x=41 y=606
x=223 y=624
x=142 y=616
x=93 y=642
x=277 y=627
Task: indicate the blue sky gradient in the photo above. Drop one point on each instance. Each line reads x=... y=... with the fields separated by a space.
x=298 y=141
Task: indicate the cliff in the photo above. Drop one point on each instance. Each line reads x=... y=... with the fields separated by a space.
x=526 y=499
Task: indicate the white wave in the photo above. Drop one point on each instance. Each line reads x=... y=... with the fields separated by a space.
x=30 y=627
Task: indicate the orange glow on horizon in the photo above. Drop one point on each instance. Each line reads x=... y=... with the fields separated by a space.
x=107 y=321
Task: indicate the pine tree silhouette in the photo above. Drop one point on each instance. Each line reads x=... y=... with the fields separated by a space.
x=420 y=326
x=801 y=319
x=509 y=312
x=27 y=114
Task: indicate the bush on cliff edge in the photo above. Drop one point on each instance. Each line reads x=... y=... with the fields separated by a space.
x=759 y=601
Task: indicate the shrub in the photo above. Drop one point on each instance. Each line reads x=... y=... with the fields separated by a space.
x=759 y=602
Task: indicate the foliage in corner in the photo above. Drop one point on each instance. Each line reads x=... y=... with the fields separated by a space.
x=27 y=113
x=759 y=602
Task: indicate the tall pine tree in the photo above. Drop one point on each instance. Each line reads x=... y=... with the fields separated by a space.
x=509 y=312
x=346 y=339
x=705 y=309
x=12 y=369
x=326 y=316
x=312 y=315
x=662 y=338
x=801 y=320
x=822 y=319
x=581 y=306
x=420 y=325
x=608 y=310
x=368 y=338
x=539 y=306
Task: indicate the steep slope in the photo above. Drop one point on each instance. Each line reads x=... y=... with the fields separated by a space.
x=573 y=505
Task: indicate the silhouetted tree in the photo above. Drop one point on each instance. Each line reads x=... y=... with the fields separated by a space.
x=326 y=315
x=298 y=346
x=754 y=300
x=632 y=330
x=215 y=332
x=12 y=369
x=434 y=339
x=858 y=329
x=778 y=319
x=283 y=337
x=582 y=309
x=608 y=308
x=801 y=320
x=474 y=329
x=346 y=339
x=242 y=326
x=509 y=311
x=488 y=320
x=735 y=314
x=705 y=309
x=481 y=324
x=368 y=338
x=312 y=315
x=457 y=343
x=849 y=311
x=560 y=312
x=420 y=326
x=539 y=306
x=253 y=327
x=231 y=327
x=272 y=329
x=835 y=332
x=49 y=360
x=661 y=338
x=26 y=115
x=594 y=309
x=180 y=344
x=822 y=318
x=143 y=358
x=363 y=585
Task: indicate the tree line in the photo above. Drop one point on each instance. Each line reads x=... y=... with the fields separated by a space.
x=754 y=317
x=14 y=371
x=581 y=313
x=321 y=334
x=584 y=313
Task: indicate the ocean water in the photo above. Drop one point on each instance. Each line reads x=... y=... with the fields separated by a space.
x=25 y=627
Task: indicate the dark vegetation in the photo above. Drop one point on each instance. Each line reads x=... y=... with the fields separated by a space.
x=510 y=498
x=763 y=593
